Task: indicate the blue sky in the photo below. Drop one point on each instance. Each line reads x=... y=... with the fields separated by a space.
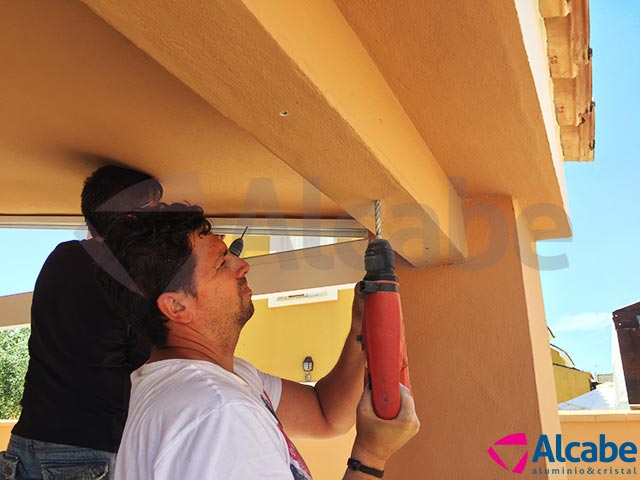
x=603 y=254
x=22 y=253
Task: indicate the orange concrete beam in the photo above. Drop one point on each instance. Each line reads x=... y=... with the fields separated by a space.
x=474 y=78
x=344 y=129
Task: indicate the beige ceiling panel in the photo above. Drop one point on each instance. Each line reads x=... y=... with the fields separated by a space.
x=74 y=89
x=343 y=129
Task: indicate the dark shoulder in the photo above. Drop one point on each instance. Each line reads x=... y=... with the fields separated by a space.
x=68 y=246
x=75 y=247
x=81 y=252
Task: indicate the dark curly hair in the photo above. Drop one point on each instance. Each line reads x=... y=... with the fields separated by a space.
x=112 y=190
x=150 y=253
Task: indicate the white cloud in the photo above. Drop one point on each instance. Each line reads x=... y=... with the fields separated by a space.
x=582 y=322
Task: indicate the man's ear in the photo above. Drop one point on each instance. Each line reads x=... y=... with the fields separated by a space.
x=173 y=306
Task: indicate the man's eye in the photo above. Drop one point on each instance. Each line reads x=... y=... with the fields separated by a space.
x=222 y=265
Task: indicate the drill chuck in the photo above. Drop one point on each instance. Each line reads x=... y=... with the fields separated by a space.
x=379 y=261
x=236 y=247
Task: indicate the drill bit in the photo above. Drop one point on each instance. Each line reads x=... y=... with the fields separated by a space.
x=378 y=216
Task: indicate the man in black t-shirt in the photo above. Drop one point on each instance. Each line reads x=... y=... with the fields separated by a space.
x=77 y=385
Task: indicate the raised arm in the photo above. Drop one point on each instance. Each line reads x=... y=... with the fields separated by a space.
x=329 y=408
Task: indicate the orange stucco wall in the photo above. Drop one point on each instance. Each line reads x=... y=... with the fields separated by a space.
x=617 y=426
x=478 y=350
x=5 y=432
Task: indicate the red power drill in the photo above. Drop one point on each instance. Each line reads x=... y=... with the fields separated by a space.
x=383 y=328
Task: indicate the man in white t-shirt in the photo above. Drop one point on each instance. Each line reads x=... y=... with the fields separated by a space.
x=198 y=412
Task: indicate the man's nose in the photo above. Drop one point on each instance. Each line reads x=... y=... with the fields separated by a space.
x=245 y=268
x=240 y=266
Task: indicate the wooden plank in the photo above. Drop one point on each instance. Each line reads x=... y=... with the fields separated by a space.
x=554 y=8
x=15 y=310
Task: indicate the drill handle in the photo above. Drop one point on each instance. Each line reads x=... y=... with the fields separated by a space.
x=384 y=344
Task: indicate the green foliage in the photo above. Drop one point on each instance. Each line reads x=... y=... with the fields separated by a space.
x=14 y=358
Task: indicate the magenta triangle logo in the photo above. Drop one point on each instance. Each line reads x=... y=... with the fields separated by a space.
x=513 y=439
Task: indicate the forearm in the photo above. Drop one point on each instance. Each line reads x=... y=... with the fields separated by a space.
x=339 y=392
x=329 y=408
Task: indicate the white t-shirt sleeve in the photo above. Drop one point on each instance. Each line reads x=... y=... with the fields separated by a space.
x=260 y=380
x=234 y=442
x=273 y=387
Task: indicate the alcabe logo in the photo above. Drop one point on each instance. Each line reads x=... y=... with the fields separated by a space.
x=513 y=439
x=556 y=452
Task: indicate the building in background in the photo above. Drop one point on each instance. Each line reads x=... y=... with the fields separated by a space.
x=570 y=381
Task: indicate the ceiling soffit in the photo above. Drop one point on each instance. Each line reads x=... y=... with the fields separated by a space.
x=318 y=109
x=76 y=93
x=344 y=130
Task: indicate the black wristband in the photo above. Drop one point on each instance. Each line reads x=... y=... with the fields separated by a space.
x=356 y=465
